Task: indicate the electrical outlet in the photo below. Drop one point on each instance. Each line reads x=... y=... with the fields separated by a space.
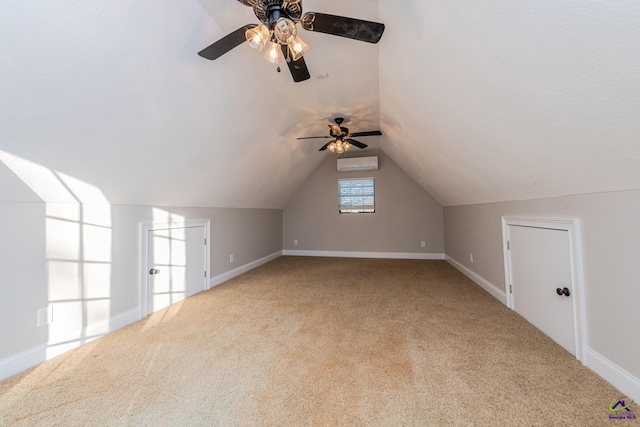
x=231 y=258
x=45 y=316
x=295 y=242
x=471 y=258
x=423 y=244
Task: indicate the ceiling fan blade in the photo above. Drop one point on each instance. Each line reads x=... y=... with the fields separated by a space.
x=324 y=147
x=299 y=70
x=312 y=137
x=342 y=26
x=370 y=133
x=226 y=43
x=356 y=143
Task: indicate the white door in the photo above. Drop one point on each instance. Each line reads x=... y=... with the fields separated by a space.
x=177 y=265
x=540 y=269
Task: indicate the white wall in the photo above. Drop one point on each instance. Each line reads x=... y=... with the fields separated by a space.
x=405 y=214
x=611 y=254
x=22 y=276
x=84 y=261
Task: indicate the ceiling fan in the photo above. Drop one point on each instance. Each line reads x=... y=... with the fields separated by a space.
x=342 y=139
x=278 y=37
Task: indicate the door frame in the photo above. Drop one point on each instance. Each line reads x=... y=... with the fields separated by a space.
x=572 y=226
x=145 y=227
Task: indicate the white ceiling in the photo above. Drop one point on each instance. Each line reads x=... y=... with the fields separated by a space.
x=479 y=102
x=505 y=100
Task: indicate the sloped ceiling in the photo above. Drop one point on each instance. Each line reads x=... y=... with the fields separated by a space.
x=478 y=101
x=114 y=94
x=502 y=100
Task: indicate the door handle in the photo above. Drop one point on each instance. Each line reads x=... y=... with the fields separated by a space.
x=564 y=291
x=154 y=271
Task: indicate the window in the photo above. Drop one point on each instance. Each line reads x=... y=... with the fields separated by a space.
x=356 y=195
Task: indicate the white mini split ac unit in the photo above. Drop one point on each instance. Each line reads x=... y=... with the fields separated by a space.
x=358 y=164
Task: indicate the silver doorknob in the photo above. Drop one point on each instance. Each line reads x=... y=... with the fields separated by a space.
x=154 y=271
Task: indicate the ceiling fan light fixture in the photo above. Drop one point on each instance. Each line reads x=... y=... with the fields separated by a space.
x=278 y=20
x=285 y=30
x=342 y=140
x=297 y=48
x=257 y=37
x=273 y=53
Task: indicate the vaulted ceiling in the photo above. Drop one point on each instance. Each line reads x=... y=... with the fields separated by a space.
x=477 y=101
x=501 y=100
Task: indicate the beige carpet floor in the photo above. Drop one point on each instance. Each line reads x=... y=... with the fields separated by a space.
x=319 y=342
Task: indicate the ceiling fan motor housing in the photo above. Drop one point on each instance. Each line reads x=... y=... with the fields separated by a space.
x=343 y=131
x=267 y=11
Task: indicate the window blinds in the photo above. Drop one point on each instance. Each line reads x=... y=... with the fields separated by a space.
x=356 y=195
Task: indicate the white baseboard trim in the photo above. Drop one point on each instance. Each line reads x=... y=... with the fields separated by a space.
x=22 y=361
x=221 y=278
x=29 y=358
x=615 y=375
x=495 y=291
x=350 y=254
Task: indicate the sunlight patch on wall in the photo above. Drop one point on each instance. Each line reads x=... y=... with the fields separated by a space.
x=168 y=254
x=79 y=269
x=78 y=240
x=40 y=179
x=166 y=217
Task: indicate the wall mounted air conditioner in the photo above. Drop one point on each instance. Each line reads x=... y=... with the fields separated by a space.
x=358 y=164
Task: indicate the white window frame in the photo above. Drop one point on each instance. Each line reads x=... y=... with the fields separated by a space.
x=364 y=207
